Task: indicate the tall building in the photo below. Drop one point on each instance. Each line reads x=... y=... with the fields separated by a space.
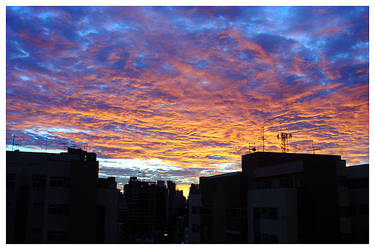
x=286 y=198
x=52 y=198
x=223 y=212
x=155 y=212
x=358 y=211
x=147 y=211
x=194 y=207
x=107 y=207
x=293 y=197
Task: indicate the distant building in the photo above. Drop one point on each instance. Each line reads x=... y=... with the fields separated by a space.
x=147 y=211
x=223 y=212
x=194 y=207
x=358 y=187
x=155 y=212
x=107 y=207
x=53 y=198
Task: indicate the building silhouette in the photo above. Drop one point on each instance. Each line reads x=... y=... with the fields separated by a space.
x=357 y=183
x=276 y=198
x=194 y=206
x=58 y=198
x=147 y=211
x=155 y=212
x=223 y=217
x=286 y=198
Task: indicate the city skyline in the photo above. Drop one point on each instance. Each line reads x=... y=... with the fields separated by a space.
x=180 y=92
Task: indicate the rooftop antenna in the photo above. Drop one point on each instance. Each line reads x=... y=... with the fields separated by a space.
x=262 y=137
x=284 y=138
x=252 y=147
x=46 y=142
x=314 y=147
x=13 y=141
x=17 y=144
x=65 y=146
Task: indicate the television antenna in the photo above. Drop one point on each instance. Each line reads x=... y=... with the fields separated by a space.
x=262 y=137
x=284 y=139
x=252 y=147
x=314 y=147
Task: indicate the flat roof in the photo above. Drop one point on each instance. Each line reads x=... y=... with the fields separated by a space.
x=222 y=175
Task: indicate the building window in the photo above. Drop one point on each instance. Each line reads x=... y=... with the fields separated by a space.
x=263 y=184
x=344 y=211
x=365 y=234
x=358 y=183
x=285 y=182
x=265 y=238
x=59 y=181
x=11 y=181
x=272 y=213
x=38 y=205
x=58 y=209
x=195 y=228
x=265 y=213
x=273 y=239
x=233 y=212
x=56 y=236
x=38 y=181
x=342 y=181
x=363 y=209
x=257 y=212
x=194 y=210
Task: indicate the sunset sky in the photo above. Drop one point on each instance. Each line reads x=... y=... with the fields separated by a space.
x=180 y=92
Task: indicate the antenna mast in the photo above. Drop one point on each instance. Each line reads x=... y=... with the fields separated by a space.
x=313 y=147
x=263 y=138
x=284 y=138
x=13 y=141
x=252 y=147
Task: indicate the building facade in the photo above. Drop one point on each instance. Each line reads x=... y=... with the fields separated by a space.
x=286 y=198
x=194 y=208
x=51 y=198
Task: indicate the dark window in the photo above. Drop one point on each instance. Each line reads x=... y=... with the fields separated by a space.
x=58 y=209
x=363 y=209
x=344 y=211
x=194 y=210
x=272 y=213
x=11 y=181
x=265 y=213
x=233 y=212
x=59 y=181
x=342 y=181
x=364 y=234
x=257 y=212
x=273 y=239
x=38 y=181
x=257 y=238
x=284 y=182
x=38 y=205
x=358 y=183
x=56 y=236
x=265 y=238
x=36 y=230
x=263 y=184
x=195 y=228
